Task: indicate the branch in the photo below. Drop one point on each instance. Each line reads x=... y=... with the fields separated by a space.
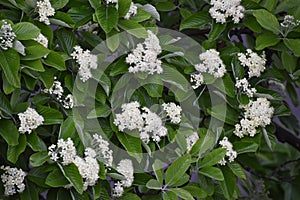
x=284 y=135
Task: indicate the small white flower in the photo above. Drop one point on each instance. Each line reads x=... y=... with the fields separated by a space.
x=86 y=61
x=245 y=87
x=257 y=113
x=68 y=103
x=222 y=9
x=111 y=1
x=230 y=153
x=191 y=141
x=7 y=36
x=211 y=63
x=130 y=118
x=173 y=111
x=103 y=152
x=118 y=189
x=45 y=10
x=289 y=22
x=254 y=62
x=56 y=89
x=64 y=150
x=153 y=126
x=144 y=57
x=125 y=168
x=88 y=168
x=42 y=40
x=12 y=180
x=132 y=11
x=30 y=120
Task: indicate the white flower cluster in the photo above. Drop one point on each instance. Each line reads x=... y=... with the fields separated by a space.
x=64 y=150
x=130 y=118
x=7 y=36
x=125 y=168
x=144 y=57
x=153 y=127
x=222 y=9
x=45 y=10
x=257 y=113
x=132 y=11
x=101 y=147
x=254 y=62
x=30 y=120
x=211 y=63
x=173 y=112
x=86 y=61
x=245 y=87
x=148 y=123
x=191 y=141
x=57 y=90
x=89 y=27
x=111 y=1
x=289 y=22
x=230 y=153
x=88 y=167
x=42 y=40
x=12 y=180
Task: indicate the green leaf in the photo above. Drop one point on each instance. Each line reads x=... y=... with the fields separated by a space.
x=154 y=90
x=5 y=105
x=55 y=60
x=100 y=111
x=13 y=152
x=35 y=52
x=124 y=6
x=10 y=64
x=158 y=170
x=204 y=144
x=169 y=195
x=129 y=196
x=212 y=158
x=73 y=176
x=58 y=4
x=56 y=179
x=132 y=144
x=107 y=17
x=165 y=6
x=67 y=128
x=26 y=31
x=9 y=132
x=267 y=20
x=216 y=30
x=288 y=61
x=212 y=172
x=294 y=45
x=51 y=116
x=182 y=193
x=133 y=28
x=35 y=65
x=151 y=10
x=66 y=40
x=229 y=183
x=195 y=190
x=237 y=170
x=267 y=39
x=62 y=19
x=251 y=22
x=195 y=21
x=224 y=113
x=154 y=184
x=118 y=67
x=38 y=159
x=140 y=16
x=225 y=85
x=113 y=40
x=35 y=142
x=177 y=169
x=245 y=147
x=292 y=94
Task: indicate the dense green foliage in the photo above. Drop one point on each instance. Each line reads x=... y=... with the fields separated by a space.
x=264 y=168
